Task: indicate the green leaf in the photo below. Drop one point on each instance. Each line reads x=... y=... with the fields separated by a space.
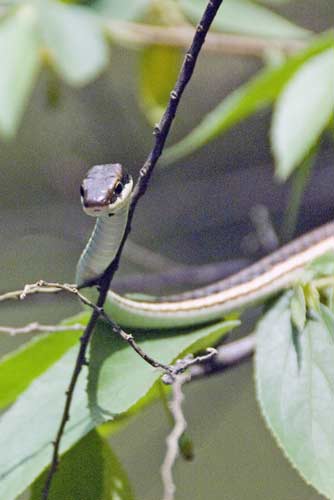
x=74 y=37
x=29 y=426
x=297 y=400
x=256 y=94
x=327 y=318
x=243 y=16
x=20 y=368
x=159 y=67
x=126 y=11
x=119 y=378
x=302 y=112
x=89 y=471
x=19 y=66
x=298 y=308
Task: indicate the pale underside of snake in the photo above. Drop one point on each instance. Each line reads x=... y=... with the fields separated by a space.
x=105 y=194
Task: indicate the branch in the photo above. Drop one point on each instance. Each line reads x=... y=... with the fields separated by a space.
x=161 y=132
x=181 y=36
x=215 y=361
x=227 y=357
x=32 y=289
x=36 y=327
x=172 y=441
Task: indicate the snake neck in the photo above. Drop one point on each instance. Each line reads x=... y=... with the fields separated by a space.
x=102 y=246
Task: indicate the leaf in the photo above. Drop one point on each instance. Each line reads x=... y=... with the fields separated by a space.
x=20 y=368
x=126 y=11
x=302 y=111
x=119 y=378
x=159 y=67
x=19 y=66
x=29 y=426
x=75 y=39
x=89 y=471
x=298 y=308
x=297 y=401
x=245 y=17
x=256 y=94
x=327 y=318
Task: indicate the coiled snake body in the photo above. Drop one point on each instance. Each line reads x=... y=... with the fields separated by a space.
x=106 y=193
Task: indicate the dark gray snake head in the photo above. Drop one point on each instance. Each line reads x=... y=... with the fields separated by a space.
x=105 y=189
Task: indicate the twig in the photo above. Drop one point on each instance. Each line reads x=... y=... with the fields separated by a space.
x=19 y=294
x=177 y=379
x=41 y=285
x=161 y=132
x=183 y=364
x=227 y=356
x=180 y=36
x=37 y=327
x=172 y=441
x=215 y=361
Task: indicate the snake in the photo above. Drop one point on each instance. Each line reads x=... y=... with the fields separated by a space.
x=106 y=195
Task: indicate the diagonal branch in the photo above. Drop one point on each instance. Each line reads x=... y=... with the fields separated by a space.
x=161 y=132
x=180 y=36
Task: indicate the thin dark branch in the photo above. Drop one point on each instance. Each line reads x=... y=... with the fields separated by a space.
x=161 y=132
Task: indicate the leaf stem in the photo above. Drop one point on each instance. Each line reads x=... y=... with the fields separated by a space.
x=299 y=183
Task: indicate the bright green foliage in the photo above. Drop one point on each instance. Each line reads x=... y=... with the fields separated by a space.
x=118 y=379
x=20 y=368
x=29 y=426
x=159 y=67
x=19 y=66
x=75 y=39
x=243 y=16
x=256 y=94
x=302 y=112
x=298 y=308
x=89 y=471
x=297 y=397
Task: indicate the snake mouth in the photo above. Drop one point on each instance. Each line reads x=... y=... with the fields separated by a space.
x=105 y=190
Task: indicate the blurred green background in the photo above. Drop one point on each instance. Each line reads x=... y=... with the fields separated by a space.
x=43 y=231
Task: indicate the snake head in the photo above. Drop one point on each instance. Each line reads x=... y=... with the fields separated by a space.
x=105 y=189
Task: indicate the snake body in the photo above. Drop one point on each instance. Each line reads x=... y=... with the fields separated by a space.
x=103 y=198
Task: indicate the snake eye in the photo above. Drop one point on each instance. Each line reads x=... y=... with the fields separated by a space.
x=82 y=192
x=118 y=188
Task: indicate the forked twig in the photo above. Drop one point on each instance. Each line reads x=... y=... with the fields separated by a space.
x=172 y=441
